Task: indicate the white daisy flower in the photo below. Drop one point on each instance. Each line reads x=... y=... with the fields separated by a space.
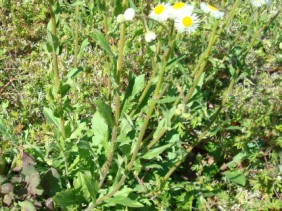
x=129 y=14
x=259 y=3
x=150 y=36
x=186 y=23
x=160 y=12
x=212 y=10
x=180 y=7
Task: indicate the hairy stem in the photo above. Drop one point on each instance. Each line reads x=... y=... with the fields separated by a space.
x=57 y=83
x=106 y=166
x=76 y=47
x=202 y=65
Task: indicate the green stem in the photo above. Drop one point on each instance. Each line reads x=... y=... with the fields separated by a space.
x=120 y=52
x=54 y=54
x=106 y=28
x=106 y=166
x=202 y=65
x=57 y=82
x=76 y=47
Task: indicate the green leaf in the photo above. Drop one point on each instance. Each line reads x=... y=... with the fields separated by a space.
x=73 y=72
x=4 y=130
x=67 y=128
x=48 y=113
x=83 y=45
x=67 y=198
x=135 y=86
x=78 y=3
x=236 y=159
x=233 y=128
x=236 y=177
x=139 y=84
x=167 y=100
x=132 y=5
x=100 y=129
x=63 y=89
x=101 y=40
x=101 y=5
x=53 y=43
x=86 y=184
x=51 y=183
x=124 y=201
x=78 y=131
x=200 y=84
x=118 y=7
x=155 y=152
x=106 y=111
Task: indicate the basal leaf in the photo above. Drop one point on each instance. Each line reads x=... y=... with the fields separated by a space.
x=87 y=185
x=67 y=198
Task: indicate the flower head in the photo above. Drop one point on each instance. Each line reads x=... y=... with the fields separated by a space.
x=259 y=3
x=214 y=12
x=129 y=14
x=120 y=18
x=186 y=23
x=160 y=12
x=180 y=7
x=150 y=36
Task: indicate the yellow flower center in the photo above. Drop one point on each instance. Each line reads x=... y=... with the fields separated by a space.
x=178 y=5
x=187 y=21
x=212 y=8
x=159 y=9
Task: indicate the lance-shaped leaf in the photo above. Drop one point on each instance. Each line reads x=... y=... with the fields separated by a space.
x=102 y=41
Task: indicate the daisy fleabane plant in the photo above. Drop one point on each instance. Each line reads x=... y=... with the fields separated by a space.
x=213 y=11
x=160 y=12
x=186 y=22
x=259 y=3
x=180 y=7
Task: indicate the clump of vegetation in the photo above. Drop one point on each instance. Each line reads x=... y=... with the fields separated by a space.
x=140 y=105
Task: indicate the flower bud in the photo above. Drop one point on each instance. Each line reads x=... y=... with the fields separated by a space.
x=120 y=18
x=129 y=14
x=150 y=36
